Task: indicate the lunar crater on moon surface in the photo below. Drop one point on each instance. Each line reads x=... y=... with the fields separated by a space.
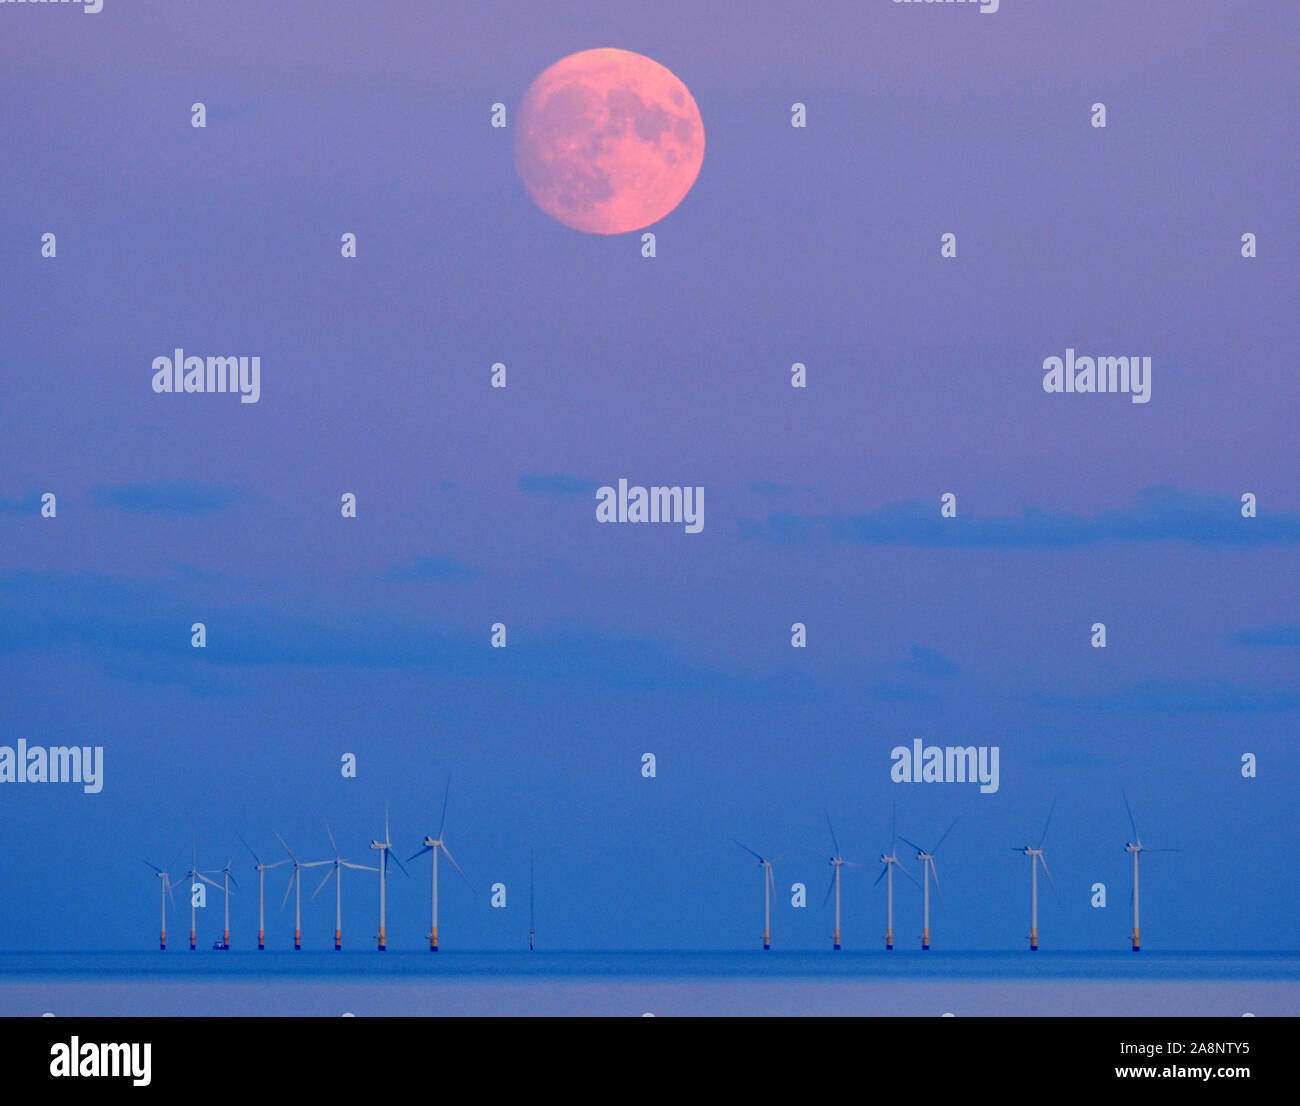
x=608 y=141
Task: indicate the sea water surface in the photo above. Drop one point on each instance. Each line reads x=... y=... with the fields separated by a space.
x=448 y=983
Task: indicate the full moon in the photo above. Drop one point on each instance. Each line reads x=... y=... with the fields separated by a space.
x=608 y=141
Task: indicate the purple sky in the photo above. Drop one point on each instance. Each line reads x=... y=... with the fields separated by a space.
x=817 y=245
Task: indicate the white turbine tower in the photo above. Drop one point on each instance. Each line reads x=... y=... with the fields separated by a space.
x=769 y=893
x=166 y=889
x=295 y=885
x=1036 y=858
x=261 y=869
x=224 y=946
x=890 y=861
x=1137 y=849
x=927 y=872
x=385 y=848
x=837 y=862
x=336 y=869
x=195 y=877
x=532 y=927
x=434 y=844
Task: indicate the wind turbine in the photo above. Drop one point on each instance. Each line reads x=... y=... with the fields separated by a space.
x=1137 y=849
x=927 y=871
x=837 y=862
x=532 y=928
x=889 y=861
x=262 y=869
x=195 y=876
x=336 y=869
x=433 y=844
x=769 y=892
x=1036 y=858
x=385 y=848
x=229 y=879
x=295 y=884
x=166 y=894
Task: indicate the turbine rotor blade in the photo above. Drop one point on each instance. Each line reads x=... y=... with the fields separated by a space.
x=944 y=837
x=249 y=848
x=331 y=837
x=288 y=890
x=834 y=839
x=426 y=849
x=750 y=851
x=328 y=876
x=446 y=793
x=1050 y=880
x=286 y=847
x=1137 y=837
x=912 y=843
x=829 y=889
x=1043 y=836
x=908 y=874
x=393 y=856
x=447 y=853
x=883 y=869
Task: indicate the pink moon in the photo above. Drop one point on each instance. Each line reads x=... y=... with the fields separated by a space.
x=607 y=141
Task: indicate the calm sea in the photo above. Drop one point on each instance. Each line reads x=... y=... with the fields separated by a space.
x=449 y=983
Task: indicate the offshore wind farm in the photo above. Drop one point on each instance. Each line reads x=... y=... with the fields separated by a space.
x=900 y=943
x=196 y=882
x=858 y=971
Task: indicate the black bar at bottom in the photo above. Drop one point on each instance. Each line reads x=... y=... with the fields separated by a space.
x=366 y=1055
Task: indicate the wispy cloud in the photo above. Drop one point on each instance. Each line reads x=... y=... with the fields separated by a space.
x=428 y=570
x=167 y=497
x=1160 y=514
x=558 y=483
x=26 y=503
x=900 y=693
x=1269 y=637
x=140 y=629
x=774 y=489
x=930 y=662
x=1156 y=697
